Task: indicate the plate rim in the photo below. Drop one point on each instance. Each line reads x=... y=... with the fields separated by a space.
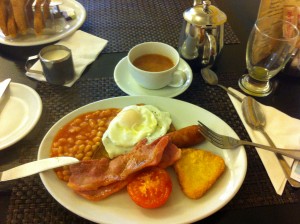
x=38 y=113
x=242 y=154
x=54 y=38
x=177 y=90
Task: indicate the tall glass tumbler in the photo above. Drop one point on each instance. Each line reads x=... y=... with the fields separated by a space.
x=270 y=46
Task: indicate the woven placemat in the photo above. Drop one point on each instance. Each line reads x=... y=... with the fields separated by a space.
x=125 y=23
x=31 y=203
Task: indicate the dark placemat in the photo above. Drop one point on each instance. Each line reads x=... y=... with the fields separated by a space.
x=125 y=23
x=31 y=203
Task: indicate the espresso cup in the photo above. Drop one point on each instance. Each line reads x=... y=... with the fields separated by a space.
x=57 y=63
x=169 y=76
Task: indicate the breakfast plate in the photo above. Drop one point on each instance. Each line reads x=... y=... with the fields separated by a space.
x=70 y=27
x=128 y=85
x=119 y=208
x=20 y=110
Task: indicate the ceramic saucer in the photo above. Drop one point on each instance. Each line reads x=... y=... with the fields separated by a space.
x=128 y=85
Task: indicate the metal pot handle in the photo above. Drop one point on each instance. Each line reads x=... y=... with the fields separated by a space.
x=209 y=50
x=28 y=65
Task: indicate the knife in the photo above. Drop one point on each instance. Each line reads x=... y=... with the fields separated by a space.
x=34 y=167
x=3 y=86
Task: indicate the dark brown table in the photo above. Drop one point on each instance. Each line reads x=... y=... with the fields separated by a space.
x=256 y=202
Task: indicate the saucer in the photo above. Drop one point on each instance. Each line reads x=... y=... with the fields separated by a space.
x=128 y=85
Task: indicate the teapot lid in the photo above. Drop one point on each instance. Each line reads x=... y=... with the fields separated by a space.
x=204 y=14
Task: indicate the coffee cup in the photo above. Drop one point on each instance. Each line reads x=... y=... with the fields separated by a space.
x=154 y=65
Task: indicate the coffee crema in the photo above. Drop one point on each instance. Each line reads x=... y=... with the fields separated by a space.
x=153 y=63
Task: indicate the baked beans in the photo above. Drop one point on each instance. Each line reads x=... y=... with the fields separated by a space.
x=81 y=137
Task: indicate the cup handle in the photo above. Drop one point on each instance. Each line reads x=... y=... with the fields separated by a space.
x=28 y=65
x=178 y=79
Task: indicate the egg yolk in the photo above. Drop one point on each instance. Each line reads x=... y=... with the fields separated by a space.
x=130 y=119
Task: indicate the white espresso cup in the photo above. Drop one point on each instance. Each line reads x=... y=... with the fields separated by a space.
x=156 y=80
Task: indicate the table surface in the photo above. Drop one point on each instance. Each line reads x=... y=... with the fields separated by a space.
x=241 y=16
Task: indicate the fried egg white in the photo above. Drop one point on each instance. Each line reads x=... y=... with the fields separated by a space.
x=133 y=124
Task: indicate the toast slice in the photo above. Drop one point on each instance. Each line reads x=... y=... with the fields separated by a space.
x=197 y=170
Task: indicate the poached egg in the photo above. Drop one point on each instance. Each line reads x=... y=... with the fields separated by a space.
x=133 y=124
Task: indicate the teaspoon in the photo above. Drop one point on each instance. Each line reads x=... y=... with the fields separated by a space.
x=211 y=78
x=255 y=118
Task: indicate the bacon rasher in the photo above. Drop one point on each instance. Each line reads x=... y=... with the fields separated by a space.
x=105 y=191
x=97 y=179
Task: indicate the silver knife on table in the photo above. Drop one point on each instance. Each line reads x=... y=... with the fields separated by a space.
x=3 y=85
x=35 y=167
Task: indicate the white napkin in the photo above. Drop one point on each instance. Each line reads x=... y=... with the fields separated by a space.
x=85 y=49
x=285 y=133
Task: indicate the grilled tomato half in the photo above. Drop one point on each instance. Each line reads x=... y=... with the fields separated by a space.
x=151 y=188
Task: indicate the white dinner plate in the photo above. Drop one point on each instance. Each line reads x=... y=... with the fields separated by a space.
x=119 y=208
x=69 y=28
x=20 y=110
x=128 y=85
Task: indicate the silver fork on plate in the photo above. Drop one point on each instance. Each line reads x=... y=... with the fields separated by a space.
x=227 y=142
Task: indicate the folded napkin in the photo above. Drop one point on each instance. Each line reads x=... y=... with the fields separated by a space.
x=85 y=49
x=285 y=133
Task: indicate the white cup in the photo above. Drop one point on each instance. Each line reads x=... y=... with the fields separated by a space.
x=156 y=80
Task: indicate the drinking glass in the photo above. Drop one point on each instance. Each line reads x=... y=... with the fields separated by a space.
x=270 y=46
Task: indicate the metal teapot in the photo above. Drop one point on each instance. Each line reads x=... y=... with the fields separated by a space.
x=202 y=35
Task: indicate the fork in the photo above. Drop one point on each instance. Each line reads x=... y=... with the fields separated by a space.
x=227 y=142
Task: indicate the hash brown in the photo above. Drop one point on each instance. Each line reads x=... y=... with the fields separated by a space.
x=197 y=170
